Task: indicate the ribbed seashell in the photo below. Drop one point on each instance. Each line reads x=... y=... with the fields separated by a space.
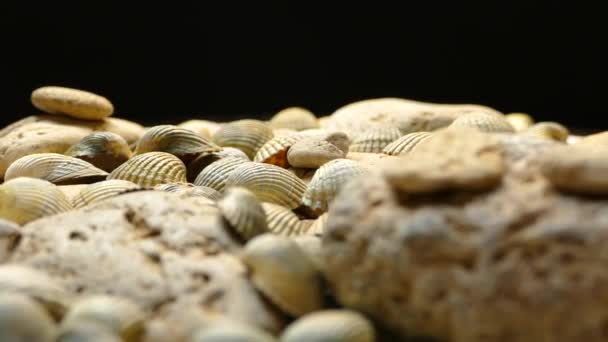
x=105 y=150
x=330 y=325
x=284 y=274
x=99 y=191
x=484 y=122
x=375 y=139
x=405 y=144
x=548 y=130
x=71 y=191
x=274 y=151
x=228 y=331
x=519 y=121
x=296 y=118
x=246 y=135
x=281 y=220
x=24 y=320
x=214 y=176
x=120 y=315
x=150 y=169
x=25 y=199
x=86 y=331
x=243 y=212
x=55 y=168
x=181 y=142
x=313 y=152
x=328 y=180
x=204 y=128
x=199 y=163
x=36 y=285
x=269 y=183
x=190 y=190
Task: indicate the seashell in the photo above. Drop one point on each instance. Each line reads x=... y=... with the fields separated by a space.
x=295 y=118
x=243 y=213
x=312 y=153
x=36 y=285
x=22 y=319
x=317 y=227
x=405 y=144
x=330 y=325
x=150 y=169
x=214 y=176
x=203 y=128
x=323 y=121
x=190 y=190
x=274 y=151
x=72 y=102
x=283 y=132
x=519 y=121
x=375 y=139
x=99 y=191
x=246 y=135
x=548 y=130
x=281 y=221
x=25 y=199
x=181 y=142
x=71 y=191
x=284 y=274
x=269 y=183
x=311 y=246
x=85 y=331
x=328 y=180
x=574 y=139
x=104 y=150
x=119 y=315
x=485 y=122
x=199 y=163
x=229 y=330
x=55 y=168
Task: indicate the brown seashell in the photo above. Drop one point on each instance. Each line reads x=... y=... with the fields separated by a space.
x=104 y=150
x=22 y=319
x=243 y=213
x=246 y=135
x=55 y=168
x=405 y=144
x=72 y=102
x=281 y=220
x=519 y=121
x=269 y=183
x=150 y=169
x=548 y=130
x=274 y=151
x=25 y=199
x=214 y=176
x=295 y=118
x=181 y=142
x=99 y=191
x=485 y=122
x=203 y=128
x=375 y=139
x=330 y=325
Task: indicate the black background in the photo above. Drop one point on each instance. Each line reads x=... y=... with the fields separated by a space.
x=165 y=62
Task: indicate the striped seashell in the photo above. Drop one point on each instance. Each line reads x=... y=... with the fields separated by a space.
x=119 y=315
x=203 y=128
x=181 y=142
x=150 y=169
x=22 y=319
x=25 y=199
x=375 y=139
x=330 y=325
x=190 y=190
x=295 y=118
x=246 y=135
x=328 y=180
x=519 y=121
x=484 y=122
x=100 y=191
x=243 y=213
x=55 y=168
x=405 y=144
x=269 y=183
x=105 y=150
x=274 y=151
x=229 y=330
x=214 y=176
x=199 y=163
x=281 y=220
x=548 y=130
x=281 y=271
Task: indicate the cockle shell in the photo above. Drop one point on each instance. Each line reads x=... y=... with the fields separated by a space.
x=281 y=220
x=243 y=212
x=25 y=199
x=375 y=139
x=283 y=273
x=246 y=135
x=150 y=169
x=55 y=168
x=202 y=161
x=519 y=121
x=190 y=190
x=405 y=144
x=269 y=183
x=214 y=176
x=72 y=102
x=104 y=150
x=328 y=180
x=274 y=151
x=204 y=128
x=330 y=325
x=548 y=130
x=99 y=191
x=296 y=118
x=22 y=319
x=485 y=122
x=181 y=142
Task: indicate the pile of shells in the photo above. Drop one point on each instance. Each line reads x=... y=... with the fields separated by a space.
x=386 y=220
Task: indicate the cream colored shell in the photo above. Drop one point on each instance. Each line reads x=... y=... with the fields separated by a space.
x=181 y=142
x=23 y=320
x=190 y=190
x=519 y=121
x=330 y=325
x=55 y=168
x=281 y=220
x=204 y=128
x=104 y=150
x=246 y=135
x=243 y=212
x=375 y=139
x=150 y=169
x=274 y=151
x=406 y=143
x=72 y=102
x=484 y=122
x=214 y=176
x=99 y=191
x=296 y=118
x=548 y=130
